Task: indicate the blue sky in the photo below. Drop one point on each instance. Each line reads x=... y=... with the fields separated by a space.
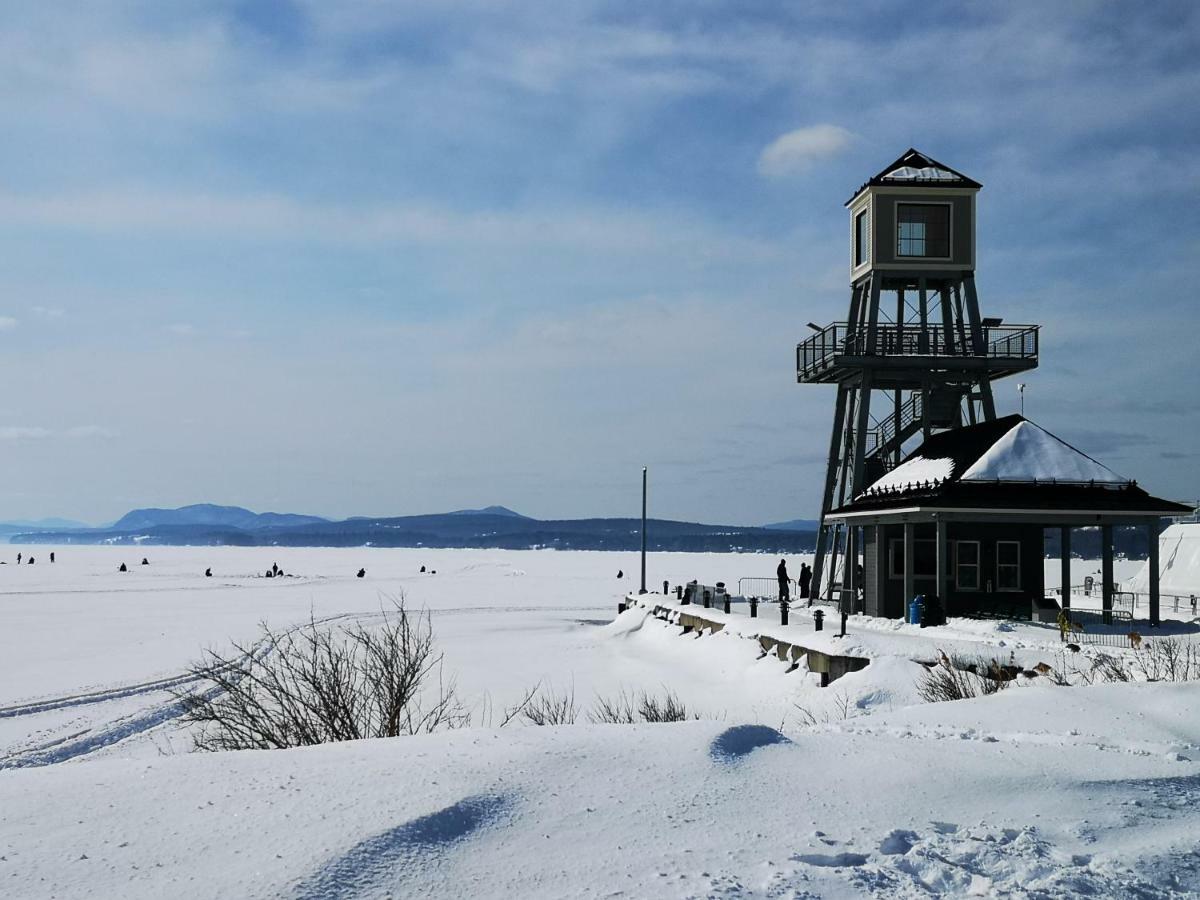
x=369 y=258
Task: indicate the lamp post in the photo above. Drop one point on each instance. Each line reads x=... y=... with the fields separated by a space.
x=1021 y=391
x=642 y=590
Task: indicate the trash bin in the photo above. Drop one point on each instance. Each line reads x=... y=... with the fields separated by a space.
x=916 y=609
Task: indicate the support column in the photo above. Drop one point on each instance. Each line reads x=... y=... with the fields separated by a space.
x=1106 y=571
x=831 y=472
x=1152 y=536
x=881 y=572
x=923 y=313
x=947 y=320
x=980 y=348
x=910 y=554
x=943 y=562
x=1065 y=541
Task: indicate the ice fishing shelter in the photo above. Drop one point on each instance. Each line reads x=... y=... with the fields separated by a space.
x=963 y=519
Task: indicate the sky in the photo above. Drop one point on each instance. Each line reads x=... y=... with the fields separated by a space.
x=367 y=258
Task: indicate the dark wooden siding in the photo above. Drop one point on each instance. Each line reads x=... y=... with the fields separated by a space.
x=961 y=225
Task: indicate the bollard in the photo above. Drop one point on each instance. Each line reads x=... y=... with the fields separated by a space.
x=726 y=604
x=754 y=607
x=843 y=634
x=819 y=619
x=707 y=598
x=783 y=612
x=679 y=593
x=666 y=588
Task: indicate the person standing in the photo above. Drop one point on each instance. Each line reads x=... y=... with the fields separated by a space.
x=781 y=573
x=805 y=579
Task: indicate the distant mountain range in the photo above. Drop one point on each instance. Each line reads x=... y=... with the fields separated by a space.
x=206 y=514
x=490 y=527
x=795 y=525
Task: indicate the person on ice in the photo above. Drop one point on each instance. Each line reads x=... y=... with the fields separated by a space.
x=805 y=579
x=782 y=574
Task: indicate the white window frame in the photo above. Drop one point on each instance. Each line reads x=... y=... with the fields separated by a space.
x=1016 y=566
x=896 y=559
x=862 y=237
x=959 y=566
x=949 y=234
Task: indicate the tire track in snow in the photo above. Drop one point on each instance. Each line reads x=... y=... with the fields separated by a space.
x=115 y=693
x=88 y=741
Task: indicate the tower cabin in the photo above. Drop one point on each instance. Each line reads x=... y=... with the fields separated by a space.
x=963 y=519
x=914 y=355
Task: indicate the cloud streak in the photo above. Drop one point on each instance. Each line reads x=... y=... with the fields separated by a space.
x=797 y=151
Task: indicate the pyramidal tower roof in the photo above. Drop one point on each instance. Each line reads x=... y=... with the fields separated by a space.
x=914 y=169
x=1008 y=450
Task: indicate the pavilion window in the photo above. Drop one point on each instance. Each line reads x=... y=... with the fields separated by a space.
x=924 y=558
x=966 y=565
x=923 y=230
x=1008 y=565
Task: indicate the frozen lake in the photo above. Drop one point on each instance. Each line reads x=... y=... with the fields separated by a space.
x=782 y=789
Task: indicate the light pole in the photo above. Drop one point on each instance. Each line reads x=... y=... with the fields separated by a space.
x=1021 y=391
x=643 y=587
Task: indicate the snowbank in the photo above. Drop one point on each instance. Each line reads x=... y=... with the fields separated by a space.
x=1179 y=563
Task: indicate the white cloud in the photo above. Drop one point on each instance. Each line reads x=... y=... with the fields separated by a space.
x=794 y=152
x=7 y=323
x=23 y=433
x=183 y=329
x=48 y=312
x=89 y=431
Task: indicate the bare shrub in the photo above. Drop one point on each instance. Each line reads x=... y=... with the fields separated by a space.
x=618 y=710
x=1107 y=668
x=321 y=683
x=551 y=708
x=956 y=678
x=1169 y=659
x=842 y=708
x=667 y=709
x=627 y=709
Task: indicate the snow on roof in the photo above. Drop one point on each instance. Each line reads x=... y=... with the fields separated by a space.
x=913 y=471
x=1027 y=452
x=925 y=173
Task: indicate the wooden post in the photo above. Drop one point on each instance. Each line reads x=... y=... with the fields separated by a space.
x=642 y=589
x=1065 y=541
x=850 y=570
x=1106 y=573
x=1152 y=536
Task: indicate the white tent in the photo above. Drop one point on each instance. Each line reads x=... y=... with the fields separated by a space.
x=1179 y=563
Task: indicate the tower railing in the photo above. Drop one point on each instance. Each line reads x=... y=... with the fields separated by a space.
x=1000 y=342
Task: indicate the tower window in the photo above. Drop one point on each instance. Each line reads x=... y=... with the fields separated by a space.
x=923 y=229
x=860 y=238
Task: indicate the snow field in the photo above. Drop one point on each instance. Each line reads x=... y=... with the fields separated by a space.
x=783 y=789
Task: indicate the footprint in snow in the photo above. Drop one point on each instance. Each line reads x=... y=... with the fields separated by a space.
x=832 y=860
x=733 y=744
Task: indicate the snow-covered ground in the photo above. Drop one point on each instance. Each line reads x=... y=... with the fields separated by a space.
x=782 y=789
